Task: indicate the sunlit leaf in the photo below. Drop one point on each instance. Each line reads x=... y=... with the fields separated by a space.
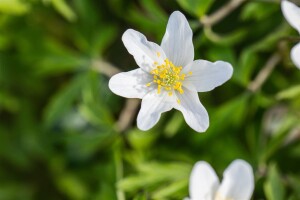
x=16 y=7
x=289 y=93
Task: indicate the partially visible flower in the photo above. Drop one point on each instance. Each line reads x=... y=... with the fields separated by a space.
x=237 y=184
x=168 y=76
x=292 y=14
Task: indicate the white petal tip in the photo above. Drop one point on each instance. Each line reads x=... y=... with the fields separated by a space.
x=242 y=164
x=203 y=128
x=207 y=75
x=177 y=13
x=111 y=84
x=203 y=181
x=145 y=124
x=238 y=181
x=177 y=42
x=193 y=111
x=226 y=67
x=295 y=55
x=127 y=32
x=130 y=84
x=201 y=166
x=291 y=13
x=143 y=127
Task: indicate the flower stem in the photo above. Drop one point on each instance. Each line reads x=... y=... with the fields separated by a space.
x=221 y=13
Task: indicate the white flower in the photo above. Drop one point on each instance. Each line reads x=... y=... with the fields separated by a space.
x=292 y=14
x=168 y=77
x=237 y=184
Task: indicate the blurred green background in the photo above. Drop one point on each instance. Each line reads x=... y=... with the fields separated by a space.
x=64 y=135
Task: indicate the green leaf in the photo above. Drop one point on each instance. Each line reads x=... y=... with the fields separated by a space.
x=258 y=10
x=9 y=102
x=58 y=59
x=152 y=7
x=64 y=9
x=279 y=137
x=234 y=110
x=172 y=171
x=93 y=108
x=140 y=197
x=106 y=191
x=289 y=93
x=136 y=182
x=102 y=39
x=226 y=39
x=62 y=101
x=170 y=190
x=9 y=188
x=271 y=40
x=274 y=188
x=294 y=182
x=249 y=57
x=96 y=115
x=174 y=124
x=222 y=53
x=15 y=7
x=152 y=22
x=153 y=174
x=196 y=7
x=246 y=66
x=141 y=140
x=72 y=186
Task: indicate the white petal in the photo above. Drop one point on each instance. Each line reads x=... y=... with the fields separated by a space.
x=193 y=111
x=144 y=52
x=178 y=40
x=153 y=105
x=207 y=75
x=203 y=182
x=291 y=13
x=295 y=55
x=238 y=181
x=130 y=84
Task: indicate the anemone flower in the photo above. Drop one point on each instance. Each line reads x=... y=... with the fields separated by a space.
x=237 y=184
x=292 y=14
x=168 y=76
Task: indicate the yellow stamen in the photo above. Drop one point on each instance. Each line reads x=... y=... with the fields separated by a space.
x=178 y=101
x=167 y=76
x=158 y=89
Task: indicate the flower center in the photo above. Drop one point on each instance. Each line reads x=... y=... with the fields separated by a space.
x=167 y=76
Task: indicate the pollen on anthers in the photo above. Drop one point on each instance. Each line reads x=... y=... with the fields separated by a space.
x=168 y=77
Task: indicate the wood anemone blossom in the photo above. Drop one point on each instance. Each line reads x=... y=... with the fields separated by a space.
x=168 y=76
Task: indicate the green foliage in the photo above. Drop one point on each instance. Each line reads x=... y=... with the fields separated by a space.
x=60 y=135
x=62 y=7
x=274 y=188
x=195 y=7
x=15 y=7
